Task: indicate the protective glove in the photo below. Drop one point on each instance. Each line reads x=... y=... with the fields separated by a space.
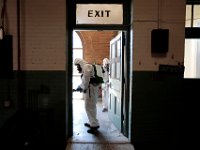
x=79 y=89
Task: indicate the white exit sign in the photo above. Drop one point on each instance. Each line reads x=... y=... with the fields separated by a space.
x=99 y=14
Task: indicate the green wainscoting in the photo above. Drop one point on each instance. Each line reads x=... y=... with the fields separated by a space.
x=157 y=110
x=37 y=117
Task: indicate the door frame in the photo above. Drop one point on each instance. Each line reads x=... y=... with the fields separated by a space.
x=70 y=26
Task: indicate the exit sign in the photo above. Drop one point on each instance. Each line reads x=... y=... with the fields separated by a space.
x=99 y=14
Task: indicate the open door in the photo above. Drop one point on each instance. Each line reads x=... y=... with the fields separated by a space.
x=115 y=107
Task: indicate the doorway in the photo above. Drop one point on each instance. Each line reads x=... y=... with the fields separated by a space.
x=124 y=26
x=97 y=45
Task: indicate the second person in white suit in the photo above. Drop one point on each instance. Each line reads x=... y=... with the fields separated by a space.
x=105 y=85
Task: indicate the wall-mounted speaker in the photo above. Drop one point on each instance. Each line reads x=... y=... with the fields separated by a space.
x=159 y=40
x=6 y=56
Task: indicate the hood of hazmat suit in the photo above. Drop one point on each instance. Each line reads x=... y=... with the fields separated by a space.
x=106 y=61
x=87 y=72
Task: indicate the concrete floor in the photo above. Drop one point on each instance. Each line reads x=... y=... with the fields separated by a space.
x=108 y=136
x=106 y=133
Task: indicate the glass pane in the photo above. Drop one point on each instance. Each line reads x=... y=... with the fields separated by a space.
x=198 y=59
x=118 y=70
x=110 y=100
x=196 y=15
x=118 y=47
x=188 y=16
x=77 y=53
x=115 y=105
x=118 y=107
x=113 y=51
x=76 y=40
x=192 y=58
x=113 y=70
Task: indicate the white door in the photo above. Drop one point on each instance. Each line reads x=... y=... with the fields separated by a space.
x=115 y=108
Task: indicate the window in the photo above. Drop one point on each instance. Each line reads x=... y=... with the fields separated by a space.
x=192 y=15
x=192 y=43
x=77 y=53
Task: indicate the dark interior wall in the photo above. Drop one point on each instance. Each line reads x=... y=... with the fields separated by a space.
x=191 y=114
x=8 y=96
x=158 y=109
x=41 y=120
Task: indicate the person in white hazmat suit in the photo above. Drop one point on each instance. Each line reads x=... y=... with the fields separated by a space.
x=105 y=85
x=90 y=93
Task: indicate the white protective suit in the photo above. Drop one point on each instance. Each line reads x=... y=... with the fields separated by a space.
x=91 y=94
x=105 y=85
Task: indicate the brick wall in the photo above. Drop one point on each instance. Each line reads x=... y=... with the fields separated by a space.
x=96 y=45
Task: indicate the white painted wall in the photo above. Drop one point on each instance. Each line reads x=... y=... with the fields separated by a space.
x=171 y=14
x=43 y=33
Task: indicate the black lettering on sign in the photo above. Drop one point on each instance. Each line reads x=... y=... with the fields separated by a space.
x=107 y=13
x=90 y=13
x=99 y=13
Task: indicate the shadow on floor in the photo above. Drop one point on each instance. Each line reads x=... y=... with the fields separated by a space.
x=106 y=133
